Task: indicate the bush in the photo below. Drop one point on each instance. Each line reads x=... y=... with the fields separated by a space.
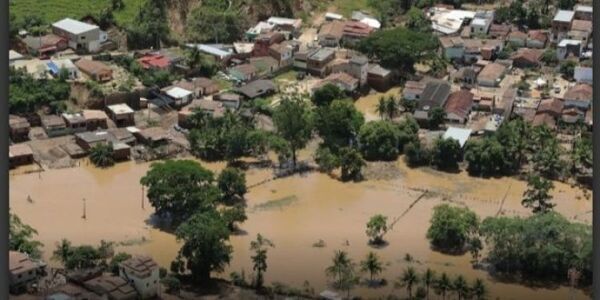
x=172 y=284
x=101 y=155
x=451 y=228
x=379 y=140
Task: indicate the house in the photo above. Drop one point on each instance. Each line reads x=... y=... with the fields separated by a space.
x=527 y=58
x=124 y=135
x=121 y=114
x=244 y=72
x=317 y=61
x=200 y=86
x=18 y=128
x=359 y=69
x=95 y=70
x=19 y=154
x=481 y=48
x=23 y=271
x=286 y=24
x=331 y=33
x=458 y=106
x=219 y=54
x=154 y=61
x=54 y=126
x=517 y=38
x=499 y=31
x=265 y=65
x=153 y=136
x=57 y=65
x=583 y=74
x=452 y=47
x=568 y=47
x=229 y=100
x=80 y=35
x=459 y=134
x=483 y=101
x=572 y=115
x=257 y=88
x=584 y=12
x=264 y=41
x=413 y=90
x=179 y=96
x=378 y=77
x=491 y=75
x=88 y=140
x=45 y=45
x=579 y=96
x=355 y=31
x=544 y=119
x=342 y=80
x=142 y=272
x=112 y=287
x=95 y=119
x=561 y=23
x=434 y=94
x=480 y=25
x=260 y=28
x=366 y=19
x=552 y=107
x=75 y=122
x=329 y=16
x=580 y=30
x=537 y=39
x=449 y=21
x=506 y=103
x=282 y=53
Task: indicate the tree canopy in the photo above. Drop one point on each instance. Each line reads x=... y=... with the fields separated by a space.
x=452 y=227
x=293 y=123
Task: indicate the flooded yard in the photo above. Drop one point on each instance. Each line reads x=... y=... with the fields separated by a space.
x=294 y=213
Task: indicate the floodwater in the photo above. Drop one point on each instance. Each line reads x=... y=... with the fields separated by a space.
x=294 y=213
x=368 y=104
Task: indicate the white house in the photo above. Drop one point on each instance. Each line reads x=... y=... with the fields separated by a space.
x=179 y=95
x=80 y=35
x=143 y=273
x=566 y=46
x=482 y=22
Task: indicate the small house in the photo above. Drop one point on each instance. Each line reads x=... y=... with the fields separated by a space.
x=413 y=90
x=95 y=119
x=580 y=30
x=244 y=72
x=112 y=287
x=20 y=154
x=583 y=75
x=75 y=122
x=179 y=96
x=264 y=65
x=282 y=53
x=264 y=41
x=491 y=75
x=499 y=31
x=579 y=96
x=18 y=128
x=88 y=140
x=121 y=114
x=143 y=273
x=80 y=35
x=355 y=31
x=57 y=65
x=583 y=12
x=453 y=47
x=229 y=100
x=378 y=77
x=317 y=60
x=527 y=58
x=23 y=271
x=561 y=23
x=568 y=47
x=342 y=80
x=154 y=61
x=537 y=39
x=552 y=107
x=200 y=86
x=458 y=106
x=331 y=34
x=54 y=126
x=517 y=38
x=45 y=45
x=480 y=25
x=95 y=70
x=257 y=88
x=153 y=136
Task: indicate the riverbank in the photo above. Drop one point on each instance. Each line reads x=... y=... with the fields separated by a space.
x=291 y=212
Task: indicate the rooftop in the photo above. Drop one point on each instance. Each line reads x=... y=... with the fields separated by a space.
x=178 y=93
x=564 y=16
x=74 y=26
x=285 y=21
x=565 y=42
x=20 y=263
x=17 y=150
x=257 y=88
x=459 y=134
x=94 y=114
x=582 y=25
x=584 y=8
x=322 y=54
x=120 y=109
x=140 y=266
x=492 y=71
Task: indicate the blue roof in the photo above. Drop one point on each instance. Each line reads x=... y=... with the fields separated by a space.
x=53 y=68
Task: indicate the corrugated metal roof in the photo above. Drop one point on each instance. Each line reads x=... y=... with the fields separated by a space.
x=74 y=26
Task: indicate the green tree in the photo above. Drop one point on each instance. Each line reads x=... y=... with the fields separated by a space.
x=340 y=262
x=233 y=215
x=416 y=154
x=451 y=227
x=325 y=95
x=479 y=289
x=379 y=140
x=177 y=189
x=381 y=107
x=259 y=259
x=102 y=155
x=409 y=279
x=210 y=24
x=443 y=285
x=567 y=69
x=293 y=123
x=428 y=279
x=349 y=278
x=326 y=160
x=391 y=107
x=460 y=287
x=566 y=4
x=21 y=237
x=436 y=117
x=537 y=196
x=338 y=124
x=351 y=162
x=120 y=257
x=232 y=183
x=416 y=20
x=446 y=154
x=372 y=264
x=376 y=228
x=172 y=284
x=205 y=248
x=485 y=157
x=150 y=27
x=475 y=246
x=399 y=48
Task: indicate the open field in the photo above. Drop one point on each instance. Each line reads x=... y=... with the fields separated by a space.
x=53 y=10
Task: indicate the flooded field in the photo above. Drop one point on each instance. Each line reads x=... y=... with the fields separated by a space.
x=367 y=104
x=294 y=213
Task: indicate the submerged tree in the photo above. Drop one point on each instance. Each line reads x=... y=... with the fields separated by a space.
x=409 y=279
x=537 y=196
x=20 y=237
x=102 y=155
x=376 y=228
x=372 y=264
x=260 y=246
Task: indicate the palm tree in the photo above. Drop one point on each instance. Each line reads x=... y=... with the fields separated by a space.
x=391 y=107
x=460 y=286
x=381 y=108
x=341 y=261
x=194 y=58
x=371 y=264
x=428 y=280
x=408 y=279
x=479 y=289
x=443 y=285
x=63 y=251
x=101 y=155
x=260 y=259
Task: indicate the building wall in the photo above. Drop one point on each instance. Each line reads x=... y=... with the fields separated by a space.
x=147 y=287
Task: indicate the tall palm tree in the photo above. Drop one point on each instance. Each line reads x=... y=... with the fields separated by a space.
x=340 y=263
x=391 y=107
x=259 y=246
x=479 y=289
x=443 y=285
x=460 y=287
x=381 y=108
x=63 y=251
x=428 y=280
x=372 y=264
x=408 y=279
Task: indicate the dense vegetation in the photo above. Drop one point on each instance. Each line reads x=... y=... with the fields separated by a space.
x=21 y=237
x=102 y=155
x=452 y=228
x=28 y=94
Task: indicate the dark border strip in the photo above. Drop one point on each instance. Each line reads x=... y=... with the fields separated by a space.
x=4 y=149
x=596 y=157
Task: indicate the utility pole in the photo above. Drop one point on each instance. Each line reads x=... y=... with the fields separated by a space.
x=84 y=215
x=142 y=197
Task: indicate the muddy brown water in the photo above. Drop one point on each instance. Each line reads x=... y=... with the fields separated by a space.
x=294 y=213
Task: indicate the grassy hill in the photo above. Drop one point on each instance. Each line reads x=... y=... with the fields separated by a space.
x=53 y=10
